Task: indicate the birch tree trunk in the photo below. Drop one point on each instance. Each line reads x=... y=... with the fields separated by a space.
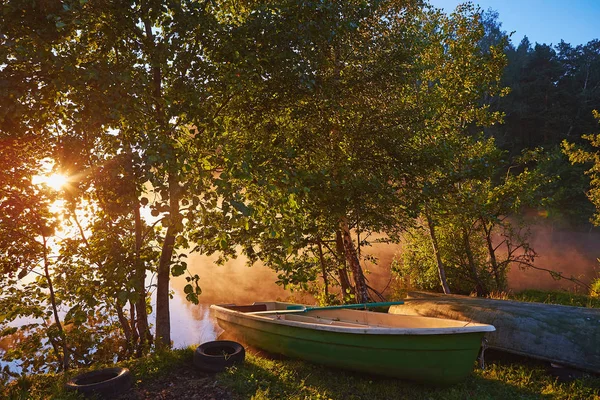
x=140 y=316
x=436 y=252
x=362 y=294
x=479 y=286
x=323 y=269
x=59 y=327
x=492 y=254
x=163 y=317
x=342 y=271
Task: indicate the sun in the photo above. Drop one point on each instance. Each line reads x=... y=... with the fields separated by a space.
x=57 y=181
x=54 y=181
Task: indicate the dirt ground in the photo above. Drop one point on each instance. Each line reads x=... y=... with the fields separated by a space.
x=182 y=383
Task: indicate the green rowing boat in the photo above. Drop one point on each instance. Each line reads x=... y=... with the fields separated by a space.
x=423 y=349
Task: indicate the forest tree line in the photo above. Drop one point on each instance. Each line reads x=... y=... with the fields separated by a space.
x=288 y=131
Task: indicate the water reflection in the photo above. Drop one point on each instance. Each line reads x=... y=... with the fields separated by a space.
x=233 y=282
x=192 y=327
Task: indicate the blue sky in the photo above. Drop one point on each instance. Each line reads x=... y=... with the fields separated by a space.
x=542 y=21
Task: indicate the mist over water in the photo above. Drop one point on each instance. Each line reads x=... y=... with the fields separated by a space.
x=570 y=253
x=233 y=282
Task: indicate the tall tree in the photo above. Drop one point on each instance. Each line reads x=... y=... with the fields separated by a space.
x=456 y=74
x=579 y=155
x=320 y=102
x=334 y=145
x=474 y=206
x=133 y=95
x=27 y=221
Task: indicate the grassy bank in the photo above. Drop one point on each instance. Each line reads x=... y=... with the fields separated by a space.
x=556 y=297
x=153 y=368
x=503 y=378
x=171 y=375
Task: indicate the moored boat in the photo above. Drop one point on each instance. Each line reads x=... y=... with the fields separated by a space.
x=423 y=349
x=565 y=335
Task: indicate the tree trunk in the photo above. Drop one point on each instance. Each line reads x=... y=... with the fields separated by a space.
x=362 y=294
x=125 y=326
x=342 y=270
x=479 y=286
x=163 y=316
x=141 y=315
x=135 y=337
x=140 y=328
x=323 y=269
x=438 y=257
x=492 y=254
x=61 y=332
x=163 y=319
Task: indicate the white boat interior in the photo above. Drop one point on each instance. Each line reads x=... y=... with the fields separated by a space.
x=351 y=320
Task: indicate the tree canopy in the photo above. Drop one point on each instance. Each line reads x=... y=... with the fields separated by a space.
x=292 y=132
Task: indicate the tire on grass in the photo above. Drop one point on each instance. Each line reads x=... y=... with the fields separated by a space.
x=217 y=355
x=107 y=382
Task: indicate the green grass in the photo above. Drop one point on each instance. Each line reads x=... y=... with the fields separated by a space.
x=158 y=364
x=260 y=378
x=51 y=386
x=556 y=297
x=47 y=386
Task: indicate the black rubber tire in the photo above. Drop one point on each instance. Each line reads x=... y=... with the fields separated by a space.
x=217 y=355
x=107 y=383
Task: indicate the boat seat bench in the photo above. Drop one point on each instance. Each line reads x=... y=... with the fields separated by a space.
x=247 y=309
x=323 y=321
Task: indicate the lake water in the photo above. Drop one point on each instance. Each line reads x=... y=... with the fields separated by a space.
x=233 y=282
x=569 y=253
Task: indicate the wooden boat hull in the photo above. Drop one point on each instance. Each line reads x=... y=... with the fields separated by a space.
x=432 y=358
x=564 y=335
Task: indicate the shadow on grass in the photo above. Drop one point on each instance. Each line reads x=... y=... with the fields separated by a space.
x=263 y=378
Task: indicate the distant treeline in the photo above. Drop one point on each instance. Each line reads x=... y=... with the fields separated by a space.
x=553 y=92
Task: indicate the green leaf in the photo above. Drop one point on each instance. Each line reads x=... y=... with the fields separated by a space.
x=292 y=202
x=8 y=331
x=178 y=269
x=241 y=207
x=122 y=297
x=223 y=243
x=192 y=298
